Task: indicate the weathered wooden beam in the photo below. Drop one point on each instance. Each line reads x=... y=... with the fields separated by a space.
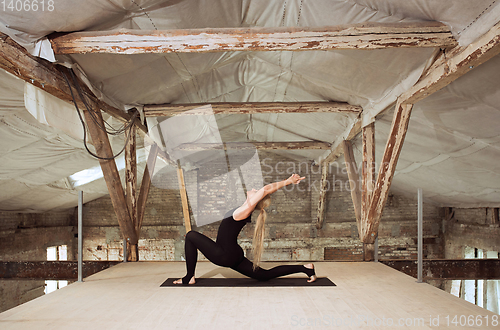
x=322 y=195
x=50 y=270
x=367 y=174
x=49 y=77
x=337 y=148
x=354 y=181
x=454 y=64
x=184 y=198
x=367 y=186
x=449 y=66
x=293 y=145
x=145 y=186
x=357 y=36
x=386 y=171
x=450 y=269
x=158 y=110
x=131 y=188
x=111 y=175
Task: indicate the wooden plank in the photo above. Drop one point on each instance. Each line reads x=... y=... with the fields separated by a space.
x=357 y=36
x=293 y=145
x=449 y=66
x=50 y=270
x=462 y=60
x=386 y=172
x=368 y=175
x=184 y=199
x=50 y=77
x=111 y=175
x=145 y=186
x=354 y=182
x=322 y=195
x=157 y=110
x=450 y=269
x=131 y=189
x=131 y=174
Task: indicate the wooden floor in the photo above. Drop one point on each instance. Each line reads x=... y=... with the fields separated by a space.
x=129 y=296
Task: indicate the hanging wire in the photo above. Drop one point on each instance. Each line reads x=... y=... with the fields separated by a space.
x=93 y=115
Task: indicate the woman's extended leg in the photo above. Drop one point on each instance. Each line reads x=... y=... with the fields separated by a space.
x=246 y=268
x=194 y=242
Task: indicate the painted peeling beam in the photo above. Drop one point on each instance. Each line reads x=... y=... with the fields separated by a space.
x=294 y=145
x=357 y=36
x=49 y=77
x=248 y=108
x=386 y=172
x=448 y=67
x=322 y=196
x=454 y=64
x=337 y=148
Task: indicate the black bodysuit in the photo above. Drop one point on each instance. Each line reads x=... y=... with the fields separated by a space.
x=226 y=252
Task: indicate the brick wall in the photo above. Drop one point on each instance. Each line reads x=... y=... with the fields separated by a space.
x=290 y=233
x=25 y=237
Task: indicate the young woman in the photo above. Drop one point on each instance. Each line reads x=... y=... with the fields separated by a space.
x=226 y=252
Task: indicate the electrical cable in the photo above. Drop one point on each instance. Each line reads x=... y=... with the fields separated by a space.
x=126 y=127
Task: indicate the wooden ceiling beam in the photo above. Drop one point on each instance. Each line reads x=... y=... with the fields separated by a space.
x=337 y=149
x=293 y=145
x=247 y=108
x=357 y=36
x=50 y=77
x=448 y=67
x=453 y=64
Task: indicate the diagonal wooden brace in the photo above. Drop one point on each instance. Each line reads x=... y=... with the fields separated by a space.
x=386 y=171
x=111 y=175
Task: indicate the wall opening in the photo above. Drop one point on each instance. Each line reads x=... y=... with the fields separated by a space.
x=483 y=293
x=56 y=253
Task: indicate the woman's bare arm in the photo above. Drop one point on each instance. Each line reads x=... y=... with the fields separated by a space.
x=247 y=208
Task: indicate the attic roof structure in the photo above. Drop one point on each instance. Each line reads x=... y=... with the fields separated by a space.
x=397 y=95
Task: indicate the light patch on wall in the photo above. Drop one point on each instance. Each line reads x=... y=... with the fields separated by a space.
x=56 y=253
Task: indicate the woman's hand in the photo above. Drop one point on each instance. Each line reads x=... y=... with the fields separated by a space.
x=295 y=178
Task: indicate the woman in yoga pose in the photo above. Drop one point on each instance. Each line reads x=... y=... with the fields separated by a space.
x=226 y=252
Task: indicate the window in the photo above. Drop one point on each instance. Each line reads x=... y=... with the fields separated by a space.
x=55 y=253
x=483 y=293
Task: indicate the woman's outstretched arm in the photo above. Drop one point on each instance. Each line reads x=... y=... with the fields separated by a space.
x=252 y=199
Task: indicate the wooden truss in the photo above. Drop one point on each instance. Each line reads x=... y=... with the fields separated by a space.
x=129 y=207
x=358 y=36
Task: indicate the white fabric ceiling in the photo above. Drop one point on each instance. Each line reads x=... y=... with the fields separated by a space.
x=450 y=151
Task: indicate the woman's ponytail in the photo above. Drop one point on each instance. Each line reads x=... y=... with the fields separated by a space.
x=258 y=235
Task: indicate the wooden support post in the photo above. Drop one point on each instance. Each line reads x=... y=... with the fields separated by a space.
x=131 y=188
x=386 y=172
x=182 y=189
x=111 y=176
x=322 y=195
x=368 y=252
x=145 y=186
x=354 y=183
x=368 y=175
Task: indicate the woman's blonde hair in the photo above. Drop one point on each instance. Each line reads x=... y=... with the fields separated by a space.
x=258 y=235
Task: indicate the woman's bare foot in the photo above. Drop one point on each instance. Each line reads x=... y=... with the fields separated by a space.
x=312 y=278
x=191 y=281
